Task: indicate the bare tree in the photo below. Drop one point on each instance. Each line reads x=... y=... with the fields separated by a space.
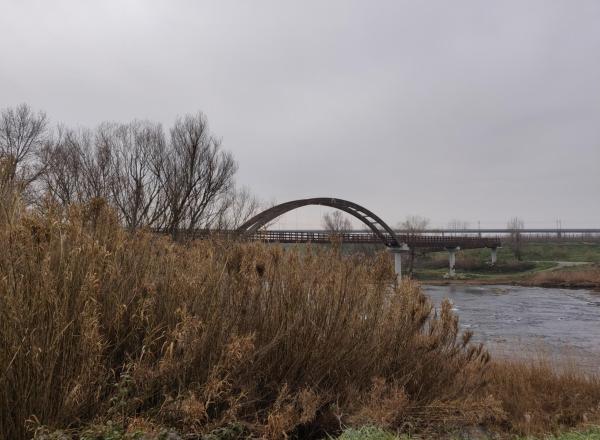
x=114 y=163
x=196 y=175
x=96 y=159
x=63 y=168
x=22 y=135
x=135 y=184
x=456 y=225
x=336 y=222
x=238 y=206
x=413 y=225
x=516 y=226
x=183 y=184
x=78 y=165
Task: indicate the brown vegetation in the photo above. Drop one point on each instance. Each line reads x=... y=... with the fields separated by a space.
x=539 y=397
x=99 y=323
x=588 y=277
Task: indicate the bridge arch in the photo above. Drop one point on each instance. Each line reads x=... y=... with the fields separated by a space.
x=373 y=222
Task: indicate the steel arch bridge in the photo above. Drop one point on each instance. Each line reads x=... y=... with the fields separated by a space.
x=372 y=221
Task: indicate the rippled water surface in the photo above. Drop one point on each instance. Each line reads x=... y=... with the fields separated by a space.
x=515 y=320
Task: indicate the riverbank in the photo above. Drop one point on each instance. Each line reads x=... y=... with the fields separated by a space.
x=549 y=264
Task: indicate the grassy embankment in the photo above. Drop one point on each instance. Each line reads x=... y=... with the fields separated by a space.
x=542 y=265
x=108 y=335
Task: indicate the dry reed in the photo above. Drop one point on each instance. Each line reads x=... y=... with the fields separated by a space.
x=98 y=324
x=540 y=397
x=588 y=277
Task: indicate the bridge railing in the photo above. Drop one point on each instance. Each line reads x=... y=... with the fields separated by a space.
x=567 y=236
x=425 y=240
x=421 y=241
x=314 y=237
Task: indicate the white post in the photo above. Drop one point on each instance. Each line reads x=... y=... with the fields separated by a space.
x=494 y=256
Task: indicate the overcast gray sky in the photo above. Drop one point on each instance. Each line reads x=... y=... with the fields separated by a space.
x=472 y=110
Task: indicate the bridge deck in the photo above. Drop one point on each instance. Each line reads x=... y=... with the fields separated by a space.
x=433 y=242
x=417 y=241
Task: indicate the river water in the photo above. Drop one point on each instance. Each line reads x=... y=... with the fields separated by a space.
x=518 y=321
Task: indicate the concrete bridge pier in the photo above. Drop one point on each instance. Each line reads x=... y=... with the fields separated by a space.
x=398 y=251
x=494 y=257
x=452 y=260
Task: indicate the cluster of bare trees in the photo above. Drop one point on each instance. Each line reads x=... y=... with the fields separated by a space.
x=177 y=181
x=456 y=225
x=335 y=222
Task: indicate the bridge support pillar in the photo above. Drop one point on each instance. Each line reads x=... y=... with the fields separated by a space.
x=398 y=251
x=452 y=260
x=494 y=257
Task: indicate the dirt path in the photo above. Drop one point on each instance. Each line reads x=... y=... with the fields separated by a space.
x=560 y=264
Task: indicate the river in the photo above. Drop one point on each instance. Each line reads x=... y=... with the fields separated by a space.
x=518 y=321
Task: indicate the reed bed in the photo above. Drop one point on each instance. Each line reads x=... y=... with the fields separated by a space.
x=539 y=397
x=102 y=327
x=588 y=276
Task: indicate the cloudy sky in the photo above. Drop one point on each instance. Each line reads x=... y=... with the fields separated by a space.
x=471 y=110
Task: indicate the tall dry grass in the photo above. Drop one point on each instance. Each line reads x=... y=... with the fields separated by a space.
x=589 y=277
x=97 y=324
x=540 y=397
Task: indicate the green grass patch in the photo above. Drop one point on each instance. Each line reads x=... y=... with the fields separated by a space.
x=438 y=274
x=536 y=257
x=546 y=251
x=592 y=434
x=368 y=433
x=374 y=433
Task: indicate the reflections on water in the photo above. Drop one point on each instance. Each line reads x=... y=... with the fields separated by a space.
x=516 y=321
